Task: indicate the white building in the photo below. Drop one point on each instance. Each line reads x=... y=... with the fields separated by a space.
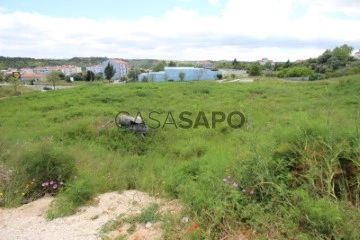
x=95 y=69
x=66 y=69
x=69 y=69
x=122 y=68
x=26 y=71
x=205 y=64
x=357 y=54
x=173 y=74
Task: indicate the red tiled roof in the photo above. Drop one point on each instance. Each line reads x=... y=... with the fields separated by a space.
x=118 y=61
x=31 y=75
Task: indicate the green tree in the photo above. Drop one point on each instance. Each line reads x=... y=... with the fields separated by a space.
x=133 y=74
x=287 y=64
x=181 y=76
x=14 y=82
x=342 y=53
x=255 y=69
x=171 y=64
x=323 y=58
x=267 y=65
x=123 y=78
x=53 y=77
x=159 y=66
x=89 y=76
x=109 y=72
x=234 y=63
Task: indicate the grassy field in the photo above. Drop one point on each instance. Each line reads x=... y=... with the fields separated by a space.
x=292 y=171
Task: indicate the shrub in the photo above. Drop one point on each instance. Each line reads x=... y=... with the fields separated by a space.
x=75 y=195
x=150 y=214
x=255 y=69
x=296 y=72
x=48 y=163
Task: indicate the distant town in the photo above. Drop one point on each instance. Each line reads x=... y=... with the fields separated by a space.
x=331 y=63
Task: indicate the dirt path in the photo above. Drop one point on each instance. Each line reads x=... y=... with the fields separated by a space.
x=28 y=222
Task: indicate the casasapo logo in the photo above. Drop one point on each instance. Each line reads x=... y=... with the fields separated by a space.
x=183 y=120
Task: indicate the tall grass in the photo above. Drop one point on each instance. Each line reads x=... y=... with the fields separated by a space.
x=293 y=166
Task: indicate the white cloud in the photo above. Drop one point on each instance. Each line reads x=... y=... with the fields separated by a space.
x=248 y=30
x=213 y=2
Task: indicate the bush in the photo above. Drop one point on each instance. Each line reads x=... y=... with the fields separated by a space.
x=75 y=195
x=296 y=72
x=255 y=69
x=48 y=163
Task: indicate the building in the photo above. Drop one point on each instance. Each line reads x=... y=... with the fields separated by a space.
x=31 y=76
x=121 y=67
x=357 y=54
x=264 y=60
x=95 y=68
x=66 y=69
x=205 y=64
x=43 y=70
x=26 y=71
x=69 y=69
x=172 y=74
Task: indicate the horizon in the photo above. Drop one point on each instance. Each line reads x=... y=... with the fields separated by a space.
x=218 y=30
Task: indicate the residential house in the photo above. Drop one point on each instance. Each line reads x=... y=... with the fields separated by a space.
x=95 y=68
x=31 y=76
x=121 y=67
x=43 y=70
x=172 y=73
x=69 y=69
x=264 y=60
x=66 y=69
x=26 y=71
x=205 y=64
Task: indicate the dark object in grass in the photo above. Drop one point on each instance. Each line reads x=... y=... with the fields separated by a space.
x=134 y=124
x=47 y=88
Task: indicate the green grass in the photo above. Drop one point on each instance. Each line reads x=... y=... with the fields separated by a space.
x=298 y=151
x=8 y=91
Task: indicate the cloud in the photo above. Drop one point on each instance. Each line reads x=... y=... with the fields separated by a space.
x=247 y=30
x=213 y=2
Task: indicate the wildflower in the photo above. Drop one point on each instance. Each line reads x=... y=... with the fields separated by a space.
x=244 y=190
x=51 y=182
x=252 y=192
x=55 y=186
x=196 y=226
x=61 y=183
x=225 y=180
x=44 y=184
x=228 y=177
x=23 y=194
x=1 y=193
x=235 y=185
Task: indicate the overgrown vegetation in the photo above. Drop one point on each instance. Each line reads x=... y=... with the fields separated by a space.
x=292 y=171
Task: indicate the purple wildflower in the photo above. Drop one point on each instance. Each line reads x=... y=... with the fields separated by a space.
x=51 y=182
x=252 y=192
x=61 y=183
x=46 y=183
x=43 y=184
x=244 y=190
x=235 y=185
x=55 y=186
x=228 y=177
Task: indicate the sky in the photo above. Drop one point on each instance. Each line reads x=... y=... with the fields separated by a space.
x=247 y=30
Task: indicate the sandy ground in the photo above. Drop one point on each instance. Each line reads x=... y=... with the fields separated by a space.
x=28 y=222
